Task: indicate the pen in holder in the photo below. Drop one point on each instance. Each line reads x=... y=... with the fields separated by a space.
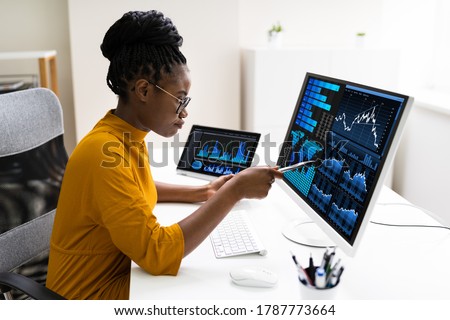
x=320 y=281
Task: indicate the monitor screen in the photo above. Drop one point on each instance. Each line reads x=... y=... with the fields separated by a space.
x=212 y=152
x=354 y=129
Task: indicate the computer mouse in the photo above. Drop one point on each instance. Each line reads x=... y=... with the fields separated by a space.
x=253 y=276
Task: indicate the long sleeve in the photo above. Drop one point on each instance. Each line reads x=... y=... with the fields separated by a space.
x=124 y=209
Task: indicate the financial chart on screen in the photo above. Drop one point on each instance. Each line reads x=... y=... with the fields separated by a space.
x=350 y=127
x=212 y=152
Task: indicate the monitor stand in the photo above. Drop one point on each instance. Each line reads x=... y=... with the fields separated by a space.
x=307 y=233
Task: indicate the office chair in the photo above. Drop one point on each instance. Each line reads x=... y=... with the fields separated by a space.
x=32 y=164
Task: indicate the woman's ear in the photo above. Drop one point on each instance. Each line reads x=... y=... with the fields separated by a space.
x=141 y=89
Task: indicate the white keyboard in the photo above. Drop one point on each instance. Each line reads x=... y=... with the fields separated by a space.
x=235 y=235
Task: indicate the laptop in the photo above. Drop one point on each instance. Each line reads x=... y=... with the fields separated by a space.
x=212 y=152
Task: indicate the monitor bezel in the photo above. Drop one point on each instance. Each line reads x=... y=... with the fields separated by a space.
x=391 y=149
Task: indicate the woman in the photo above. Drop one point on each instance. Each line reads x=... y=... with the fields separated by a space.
x=104 y=216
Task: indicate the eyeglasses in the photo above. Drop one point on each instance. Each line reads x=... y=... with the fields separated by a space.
x=182 y=103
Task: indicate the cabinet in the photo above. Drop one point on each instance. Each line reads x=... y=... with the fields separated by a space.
x=47 y=65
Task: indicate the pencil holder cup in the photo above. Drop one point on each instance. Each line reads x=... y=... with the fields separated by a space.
x=311 y=292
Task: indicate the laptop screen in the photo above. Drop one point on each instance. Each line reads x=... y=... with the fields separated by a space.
x=212 y=152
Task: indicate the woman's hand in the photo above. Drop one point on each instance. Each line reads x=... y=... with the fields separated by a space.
x=216 y=184
x=255 y=182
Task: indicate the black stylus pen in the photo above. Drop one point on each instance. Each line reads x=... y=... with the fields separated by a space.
x=311 y=268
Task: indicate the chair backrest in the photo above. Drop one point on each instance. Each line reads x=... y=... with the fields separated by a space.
x=28 y=119
x=32 y=164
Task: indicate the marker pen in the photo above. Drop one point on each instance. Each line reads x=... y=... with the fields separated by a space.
x=302 y=272
x=325 y=259
x=330 y=261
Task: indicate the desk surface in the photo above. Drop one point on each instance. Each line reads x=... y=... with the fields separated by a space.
x=391 y=262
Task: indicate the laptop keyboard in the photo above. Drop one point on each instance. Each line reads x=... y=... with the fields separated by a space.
x=235 y=235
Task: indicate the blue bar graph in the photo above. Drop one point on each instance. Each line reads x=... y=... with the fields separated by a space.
x=296 y=136
x=317 y=103
x=315 y=96
x=215 y=153
x=304 y=125
x=203 y=153
x=326 y=85
x=308 y=113
x=309 y=121
x=314 y=88
x=301 y=178
x=240 y=156
x=369 y=161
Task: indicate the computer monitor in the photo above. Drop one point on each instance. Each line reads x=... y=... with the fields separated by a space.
x=355 y=130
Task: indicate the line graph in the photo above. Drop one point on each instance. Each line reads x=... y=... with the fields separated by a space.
x=319 y=198
x=344 y=218
x=357 y=179
x=321 y=193
x=344 y=213
x=355 y=185
x=365 y=118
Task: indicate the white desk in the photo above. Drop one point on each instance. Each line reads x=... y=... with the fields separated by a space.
x=391 y=263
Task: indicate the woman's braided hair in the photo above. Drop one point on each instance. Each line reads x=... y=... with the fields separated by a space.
x=140 y=44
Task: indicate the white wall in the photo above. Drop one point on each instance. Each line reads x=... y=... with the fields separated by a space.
x=410 y=25
x=210 y=32
x=308 y=23
x=30 y=25
x=442 y=48
x=422 y=170
x=419 y=29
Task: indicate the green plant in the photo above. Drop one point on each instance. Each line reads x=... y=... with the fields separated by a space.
x=360 y=34
x=275 y=28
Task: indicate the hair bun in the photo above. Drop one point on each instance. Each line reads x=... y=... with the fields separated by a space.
x=150 y=27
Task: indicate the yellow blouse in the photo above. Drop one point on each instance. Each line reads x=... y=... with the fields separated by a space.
x=104 y=217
